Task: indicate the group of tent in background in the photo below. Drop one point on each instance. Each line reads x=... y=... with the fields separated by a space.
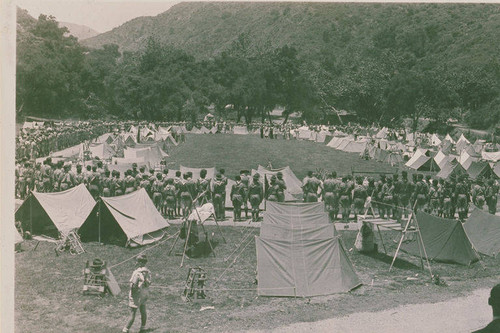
x=132 y=219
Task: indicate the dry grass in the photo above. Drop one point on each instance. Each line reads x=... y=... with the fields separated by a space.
x=49 y=297
x=237 y=152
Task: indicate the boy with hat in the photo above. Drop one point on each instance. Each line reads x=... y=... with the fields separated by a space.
x=139 y=292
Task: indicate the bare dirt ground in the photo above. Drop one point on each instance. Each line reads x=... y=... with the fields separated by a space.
x=462 y=314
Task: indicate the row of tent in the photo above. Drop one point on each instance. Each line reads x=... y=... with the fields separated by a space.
x=128 y=220
x=448 y=240
x=448 y=165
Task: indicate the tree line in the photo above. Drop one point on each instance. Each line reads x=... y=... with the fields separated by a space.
x=386 y=77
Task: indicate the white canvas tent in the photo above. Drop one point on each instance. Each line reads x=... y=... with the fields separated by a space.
x=51 y=213
x=130 y=219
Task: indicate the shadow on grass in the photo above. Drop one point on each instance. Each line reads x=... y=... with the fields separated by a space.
x=399 y=263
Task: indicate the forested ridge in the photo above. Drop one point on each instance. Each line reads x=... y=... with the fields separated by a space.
x=382 y=61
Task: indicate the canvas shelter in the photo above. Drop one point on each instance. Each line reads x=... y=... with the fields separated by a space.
x=129 y=220
x=496 y=169
x=483 y=230
x=195 y=130
x=74 y=151
x=490 y=156
x=462 y=142
x=445 y=240
x=422 y=162
x=480 y=169
x=382 y=134
x=298 y=255
x=449 y=169
x=52 y=213
x=102 y=150
x=355 y=147
x=214 y=130
x=293 y=184
x=435 y=140
x=449 y=138
x=204 y=130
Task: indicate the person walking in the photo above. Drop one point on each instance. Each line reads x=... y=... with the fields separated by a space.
x=139 y=292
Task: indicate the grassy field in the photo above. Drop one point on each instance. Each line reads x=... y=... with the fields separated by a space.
x=49 y=288
x=237 y=152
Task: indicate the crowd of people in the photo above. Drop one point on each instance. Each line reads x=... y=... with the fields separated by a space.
x=174 y=196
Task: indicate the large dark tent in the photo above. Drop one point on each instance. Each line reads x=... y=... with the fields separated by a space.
x=483 y=230
x=445 y=240
x=299 y=255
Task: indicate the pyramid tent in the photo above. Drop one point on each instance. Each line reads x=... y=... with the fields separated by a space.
x=462 y=142
x=293 y=184
x=483 y=230
x=480 y=169
x=382 y=134
x=299 y=256
x=449 y=138
x=130 y=219
x=451 y=168
x=440 y=158
x=213 y=130
x=101 y=150
x=422 y=163
x=51 y=213
x=204 y=130
x=445 y=240
x=195 y=130
x=435 y=140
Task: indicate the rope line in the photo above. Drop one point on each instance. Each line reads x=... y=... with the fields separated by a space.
x=149 y=248
x=234 y=260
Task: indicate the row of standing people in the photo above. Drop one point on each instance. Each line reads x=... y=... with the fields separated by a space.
x=394 y=197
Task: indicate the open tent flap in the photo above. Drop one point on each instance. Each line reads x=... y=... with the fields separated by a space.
x=445 y=240
x=483 y=230
x=303 y=269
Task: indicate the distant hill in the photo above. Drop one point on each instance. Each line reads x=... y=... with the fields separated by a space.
x=206 y=28
x=79 y=31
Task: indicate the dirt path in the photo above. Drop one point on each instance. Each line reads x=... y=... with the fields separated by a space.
x=462 y=314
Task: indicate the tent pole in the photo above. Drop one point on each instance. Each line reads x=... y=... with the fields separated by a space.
x=186 y=243
x=31 y=213
x=99 y=221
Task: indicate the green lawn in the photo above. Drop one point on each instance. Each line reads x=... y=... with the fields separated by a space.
x=49 y=298
x=237 y=152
